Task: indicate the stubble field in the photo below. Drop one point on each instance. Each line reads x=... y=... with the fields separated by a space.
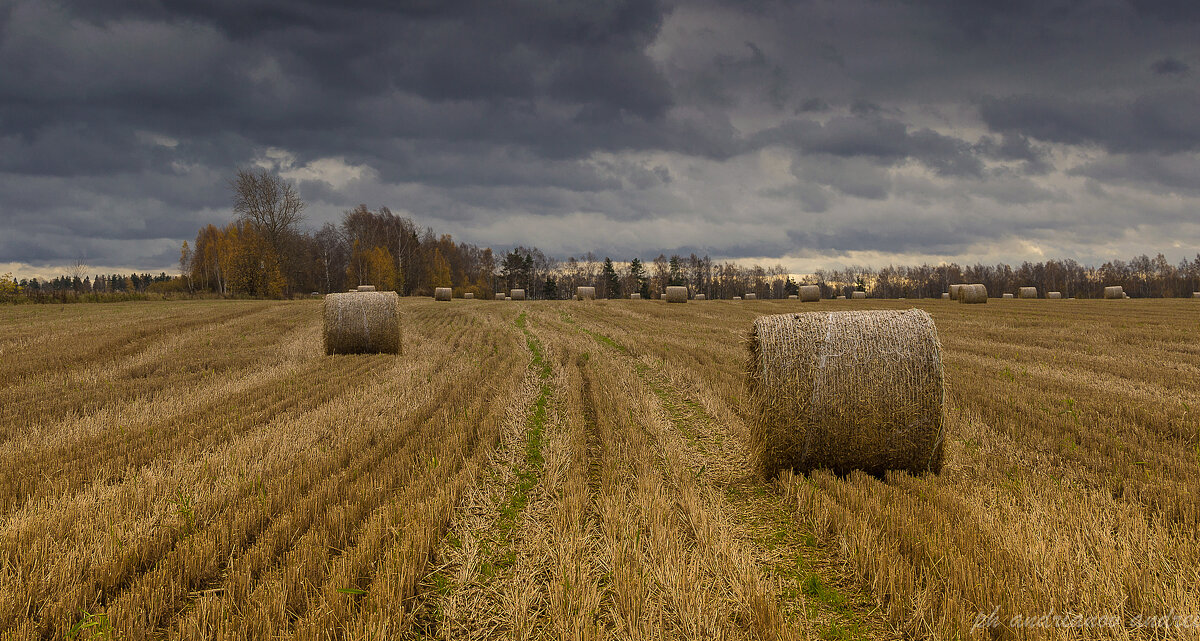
x=547 y=470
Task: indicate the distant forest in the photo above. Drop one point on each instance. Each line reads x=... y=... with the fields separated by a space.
x=264 y=254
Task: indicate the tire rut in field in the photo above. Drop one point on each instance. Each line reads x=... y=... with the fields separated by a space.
x=812 y=590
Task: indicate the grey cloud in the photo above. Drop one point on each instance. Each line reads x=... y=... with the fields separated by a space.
x=1169 y=67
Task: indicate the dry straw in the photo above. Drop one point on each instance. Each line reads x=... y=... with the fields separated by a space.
x=676 y=294
x=635 y=296
x=508 y=298
x=810 y=293
x=976 y=293
x=1054 y=295
x=858 y=295
x=361 y=323
x=1026 y=292
x=469 y=295
x=1006 y=296
x=751 y=297
x=945 y=295
x=517 y=294
x=955 y=290
x=585 y=293
x=737 y=298
x=1195 y=294
x=841 y=298
x=442 y=293
x=366 y=288
x=1114 y=291
x=846 y=391
x=500 y=295
x=793 y=297
x=699 y=297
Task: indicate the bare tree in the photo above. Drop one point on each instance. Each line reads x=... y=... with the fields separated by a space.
x=269 y=202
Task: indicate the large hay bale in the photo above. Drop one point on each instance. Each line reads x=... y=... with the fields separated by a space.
x=1026 y=292
x=585 y=293
x=846 y=391
x=517 y=294
x=976 y=293
x=361 y=323
x=366 y=288
x=810 y=293
x=858 y=295
x=1054 y=295
x=954 y=291
x=1114 y=291
x=676 y=294
x=1006 y=295
x=750 y=297
x=945 y=295
x=442 y=293
x=635 y=296
x=469 y=295
x=699 y=297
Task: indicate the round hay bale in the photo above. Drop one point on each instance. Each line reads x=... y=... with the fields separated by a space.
x=945 y=295
x=517 y=294
x=1006 y=296
x=361 y=323
x=699 y=297
x=1114 y=291
x=737 y=298
x=442 y=293
x=1126 y=295
x=366 y=288
x=955 y=290
x=676 y=294
x=469 y=295
x=750 y=297
x=508 y=298
x=858 y=295
x=841 y=298
x=1195 y=294
x=1026 y=292
x=585 y=293
x=976 y=293
x=500 y=295
x=1053 y=295
x=810 y=293
x=635 y=296
x=846 y=391
x=793 y=297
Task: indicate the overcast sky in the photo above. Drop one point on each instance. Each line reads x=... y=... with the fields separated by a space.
x=815 y=134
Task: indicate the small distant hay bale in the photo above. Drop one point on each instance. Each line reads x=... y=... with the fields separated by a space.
x=517 y=294
x=635 y=296
x=973 y=294
x=699 y=297
x=793 y=297
x=1006 y=296
x=500 y=295
x=1114 y=291
x=858 y=295
x=1195 y=294
x=508 y=298
x=955 y=290
x=1053 y=295
x=585 y=293
x=750 y=297
x=846 y=391
x=1126 y=295
x=841 y=298
x=737 y=298
x=810 y=293
x=442 y=293
x=676 y=294
x=366 y=288
x=469 y=295
x=902 y=298
x=1026 y=292
x=361 y=323
x=945 y=295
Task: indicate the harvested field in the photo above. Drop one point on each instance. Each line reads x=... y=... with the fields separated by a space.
x=550 y=470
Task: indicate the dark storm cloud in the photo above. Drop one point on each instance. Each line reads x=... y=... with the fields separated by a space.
x=120 y=121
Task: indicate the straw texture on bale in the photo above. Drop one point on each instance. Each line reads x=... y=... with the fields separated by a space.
x=846 y=391
x=442 y=293
x=750 y=297
x=366 y=288
x=585 y=293
x=955 y=290
x=810 y=293
x=858 y=295
x=500 y=295
x=469 y=295
x=1006 y=295
x=1053 y=295
x=1026 y=292
x=699 y=297
x=517 y=294
x=676 y=294
x=793 y=297
x=945 y=295
x=976 y=293
x=635 y=296
x=361 y=323
x=1114 y=291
